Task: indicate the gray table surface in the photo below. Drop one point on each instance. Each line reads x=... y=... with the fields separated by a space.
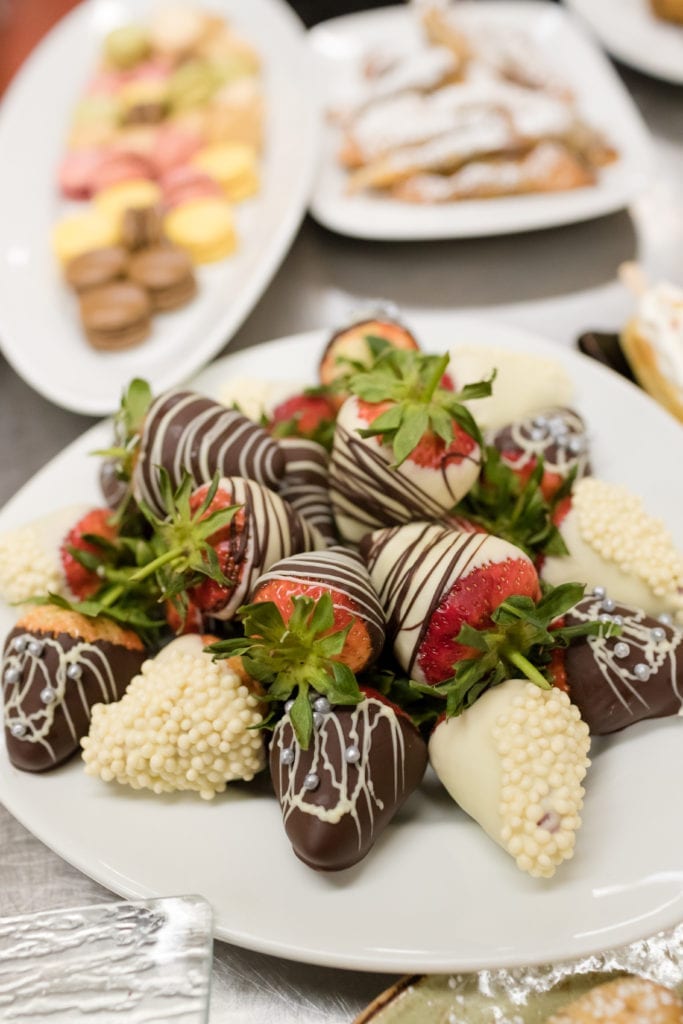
x=556 y=282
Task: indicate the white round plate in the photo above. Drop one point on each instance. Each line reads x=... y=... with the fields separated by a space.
x=40 y=332
x=632 y=33
x=435 y=894
x=339 y=46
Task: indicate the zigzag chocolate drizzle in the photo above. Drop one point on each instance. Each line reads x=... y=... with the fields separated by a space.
x=185 y=432
x=305 y=484
x=265 y=530
x=617 y=681
x=557 y=434
x=367 y=493
x=339 y=794
x=341 y=570
x=50 y=684
x=413 y=567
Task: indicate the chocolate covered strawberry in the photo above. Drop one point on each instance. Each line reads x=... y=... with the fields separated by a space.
x=339 y=794
x=116 y=470
x=56 y=665
x=556 y=435
x=617 y=680
x=360 y=345
x=432 y=581
x=305 y=484
x=84 y=549
x=515 y=762
x=405 y=447
x=185 y=432
x=216 y=540
x=341 y=574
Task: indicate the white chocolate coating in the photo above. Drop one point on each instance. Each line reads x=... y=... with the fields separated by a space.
x=29 y=556
x=524 y=384
x=614 y=543
x=515 y=762
x=183 y=724
x=255 y=396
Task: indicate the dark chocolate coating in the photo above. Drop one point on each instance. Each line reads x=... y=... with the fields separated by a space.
x=114 y=490
x=604 y=687
x=185 y=432
x=606 y=349
x=367 y=794
x=305 y=483
x=523 y=442
x=53 y=728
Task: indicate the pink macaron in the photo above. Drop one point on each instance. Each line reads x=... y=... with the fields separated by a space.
x=117 y=166
x=77 y=172
x=184 y=183
x=174 y=147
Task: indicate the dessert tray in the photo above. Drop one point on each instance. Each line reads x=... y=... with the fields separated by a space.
x=434 y=895
x=39 y=330
x=343 y=46
x=629 y=30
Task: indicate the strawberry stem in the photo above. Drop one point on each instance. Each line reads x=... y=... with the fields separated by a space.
x=529 y=670
x=156 y=563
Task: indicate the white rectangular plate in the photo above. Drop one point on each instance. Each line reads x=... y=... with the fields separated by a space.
x=339 y=46
x=39 y=329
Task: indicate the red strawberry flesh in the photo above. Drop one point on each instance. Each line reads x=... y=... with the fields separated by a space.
x=210 y=595
x=431 y=452
x=82 y=582
x=471 y=600
x=306 y=414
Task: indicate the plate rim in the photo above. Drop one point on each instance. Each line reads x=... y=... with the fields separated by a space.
x=225 y=327
x=506 y=337
x=596 y=204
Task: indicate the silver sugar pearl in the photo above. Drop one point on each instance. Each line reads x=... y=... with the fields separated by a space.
x=311 y=781
x=641 y=671
x=19 y=644
x=665 y=619
x=658 y=634
x=12 y=675
x=318 y=719
x=621 y=650
x=352 y=754
x=605 y=618
x=36 y=648
x=618 y=620
x=599 y=592
x=287 y=755
x=74 y=671
x=576 y=445
x=540 y=421
x=608 y=605
x=322 y=705
x=538 y=433
x=288 y=706
x=558 y=428
x=18 y=729
x=47 y=695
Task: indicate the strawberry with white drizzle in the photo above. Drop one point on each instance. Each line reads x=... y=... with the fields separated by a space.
x=357 y=345
x=405 y=447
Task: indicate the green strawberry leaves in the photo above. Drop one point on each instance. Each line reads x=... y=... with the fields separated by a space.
x=520 y=642
x=516 y=510
x=411 y=382
x=299 y=656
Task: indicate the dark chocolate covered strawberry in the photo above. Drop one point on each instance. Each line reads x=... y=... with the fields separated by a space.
x=359 y=344
x=405 y=446
x=56 y=665
x=185 y=432
x=616 y=681
x=305 y=484
x=216 y=540
x=116 y=470
x=557 y=436
x=432 y=581
x=339 y=794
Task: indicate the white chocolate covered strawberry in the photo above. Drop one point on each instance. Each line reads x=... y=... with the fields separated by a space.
x=515 y=762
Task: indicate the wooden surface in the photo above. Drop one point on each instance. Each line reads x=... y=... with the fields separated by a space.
x=23 y=23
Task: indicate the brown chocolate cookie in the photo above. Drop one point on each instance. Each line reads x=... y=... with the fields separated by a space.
x=96 y=268
x=166 y=272
x=116 y=316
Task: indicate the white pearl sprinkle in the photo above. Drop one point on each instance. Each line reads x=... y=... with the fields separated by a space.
x=599 y=592
x=318 y=719
x=288 y=706
x=47 y=695
x=665 y=619
x=322 y=705
x=18 y=729
x=540 y=421
x=352 y=754
x=576 y=445
x=608 y=605
x=19 y=644
x=311 y=781
x=658 y=634
x=641 y=671
x=12 y=675
x=621 y=650
x=74 y=671
x=538 y=433
x=618 y=620
x=287 y=756
x=36 y=648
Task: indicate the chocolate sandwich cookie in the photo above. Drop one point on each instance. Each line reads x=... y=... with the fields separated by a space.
x=56 y=665
x=96 y=268
x=166 y=272
x=116 y=316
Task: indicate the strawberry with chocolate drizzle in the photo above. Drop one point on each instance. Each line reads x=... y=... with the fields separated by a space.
x=405 y=446
x=215 y=540
x=358 y=346
x=343 y=759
